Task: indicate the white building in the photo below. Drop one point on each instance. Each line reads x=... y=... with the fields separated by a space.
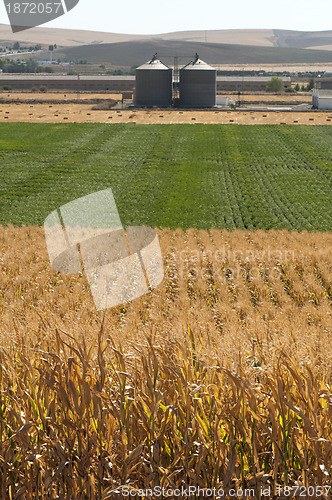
x=322 y=99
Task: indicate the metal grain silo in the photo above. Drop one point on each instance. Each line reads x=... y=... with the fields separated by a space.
x=198 y=85
x=154 y=84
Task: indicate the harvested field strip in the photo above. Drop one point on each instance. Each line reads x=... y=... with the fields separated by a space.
x=249 y=177
x=219 y=378
x=76 y=113
x=41 y=96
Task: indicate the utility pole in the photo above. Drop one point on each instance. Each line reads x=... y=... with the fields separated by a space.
x=78 y=86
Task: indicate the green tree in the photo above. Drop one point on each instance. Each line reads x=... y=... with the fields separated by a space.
x=297 y=87
x=275 y=85
x=16 y=46
x=312 y=84
x=31 y=66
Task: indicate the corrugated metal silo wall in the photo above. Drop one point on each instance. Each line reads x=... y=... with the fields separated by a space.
x=154 y=87
x=198 y=88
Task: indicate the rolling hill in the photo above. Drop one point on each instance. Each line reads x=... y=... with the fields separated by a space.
x=134 y=53
x=303 y=39
x=63 y=37
x=261 y=38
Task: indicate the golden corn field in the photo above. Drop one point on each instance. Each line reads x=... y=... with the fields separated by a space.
x=219 y=378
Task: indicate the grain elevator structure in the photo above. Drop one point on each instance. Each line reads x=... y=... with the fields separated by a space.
x=154 y=84
x=198 y=85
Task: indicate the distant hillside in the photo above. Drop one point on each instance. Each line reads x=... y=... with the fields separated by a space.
x=63 y=37
x=303 y=39
x=260 y=38
x=135 y=53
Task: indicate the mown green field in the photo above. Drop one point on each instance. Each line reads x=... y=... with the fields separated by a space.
x=203 y=176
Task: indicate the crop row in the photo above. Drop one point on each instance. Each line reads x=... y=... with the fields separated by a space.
x=201 y=176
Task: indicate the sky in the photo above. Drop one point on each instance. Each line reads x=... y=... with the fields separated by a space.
x=154 y=16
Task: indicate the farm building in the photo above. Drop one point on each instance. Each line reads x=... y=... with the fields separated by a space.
x=324 y=83
x=247 y=83
x=322 y=99
x=67 y=82
x=154 y=84
x=124 y=83
x=198 y=84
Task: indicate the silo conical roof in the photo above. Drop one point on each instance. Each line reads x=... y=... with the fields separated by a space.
x=154 y=63
x=198 y=63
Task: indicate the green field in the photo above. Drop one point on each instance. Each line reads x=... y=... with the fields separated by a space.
x=203 y=176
